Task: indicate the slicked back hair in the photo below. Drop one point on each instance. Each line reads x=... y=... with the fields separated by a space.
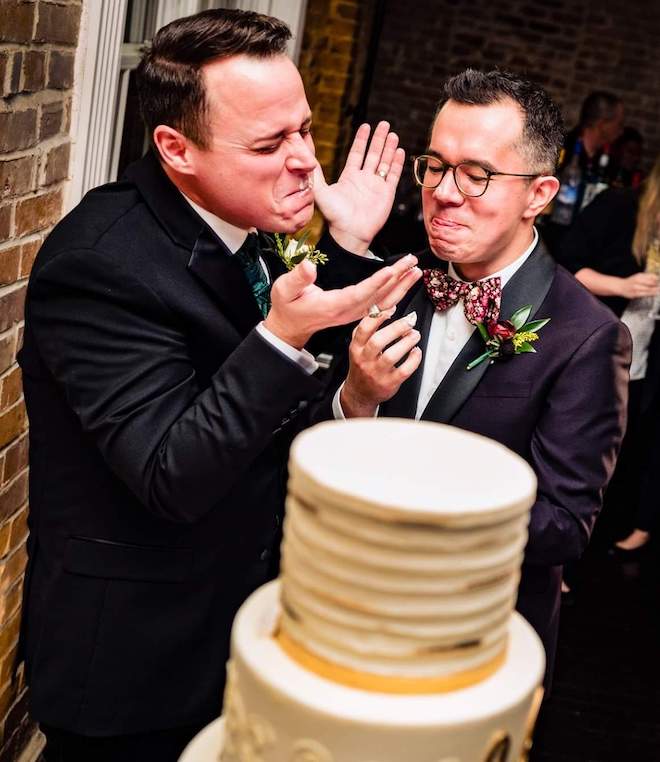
x=170 y=79
x=543 y=126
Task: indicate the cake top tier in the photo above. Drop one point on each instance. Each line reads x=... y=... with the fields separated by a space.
x=417 y=471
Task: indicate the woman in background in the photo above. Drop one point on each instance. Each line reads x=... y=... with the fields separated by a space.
x=613 y=251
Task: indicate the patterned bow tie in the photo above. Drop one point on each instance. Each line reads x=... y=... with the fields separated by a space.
x=481 y=299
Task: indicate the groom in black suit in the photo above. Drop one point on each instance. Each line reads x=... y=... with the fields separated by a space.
x=486 y=175
x=162 y=402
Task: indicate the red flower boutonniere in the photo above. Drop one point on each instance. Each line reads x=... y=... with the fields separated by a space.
x=505 y=338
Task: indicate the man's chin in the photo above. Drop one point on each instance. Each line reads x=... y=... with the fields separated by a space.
x=297 y=221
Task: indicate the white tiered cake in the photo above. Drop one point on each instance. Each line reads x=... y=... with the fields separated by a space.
x=390 y=635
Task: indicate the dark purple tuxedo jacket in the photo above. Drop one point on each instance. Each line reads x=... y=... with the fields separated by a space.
x=562 y=409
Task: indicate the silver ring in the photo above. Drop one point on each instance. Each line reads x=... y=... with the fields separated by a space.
x=382 y=173
x=374 y=311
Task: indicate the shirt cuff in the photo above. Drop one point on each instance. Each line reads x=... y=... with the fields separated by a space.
x=337 y=411
x=301 y=357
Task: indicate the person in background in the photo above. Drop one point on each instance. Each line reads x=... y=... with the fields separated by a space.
x=601 y=123
x=626 y=159
x=608 y=249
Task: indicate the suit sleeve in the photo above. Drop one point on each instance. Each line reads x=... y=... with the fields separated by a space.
x=575 y=445
x=121 y=359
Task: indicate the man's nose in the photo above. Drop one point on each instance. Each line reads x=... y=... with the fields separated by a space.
x=447 y=191
x=301 y=156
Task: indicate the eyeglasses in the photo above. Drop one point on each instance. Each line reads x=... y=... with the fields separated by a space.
x=471 y=179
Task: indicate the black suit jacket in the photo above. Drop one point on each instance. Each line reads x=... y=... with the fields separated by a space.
x=160 y=422
x=562 y=409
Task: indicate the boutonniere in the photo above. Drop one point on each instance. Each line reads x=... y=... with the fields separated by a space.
x=505 y=338
x=292 y=251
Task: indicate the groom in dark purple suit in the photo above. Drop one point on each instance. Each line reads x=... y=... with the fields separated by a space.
x=486 y=175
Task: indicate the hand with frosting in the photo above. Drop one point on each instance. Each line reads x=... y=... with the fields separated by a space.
x=357 y=206
x=381 y=359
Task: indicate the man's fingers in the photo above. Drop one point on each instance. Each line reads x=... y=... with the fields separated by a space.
x=291 y=285
x=382 y=338
x=409 y=365
x=398 y=163
x=373 y=158
x=368 y=326
x=397 y=351
x=358 y=148
x=392 y=292
x=389 y=151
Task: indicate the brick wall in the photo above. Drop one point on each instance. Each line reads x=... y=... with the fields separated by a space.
x=332 y=58
x=570 y=48
x=37 y=43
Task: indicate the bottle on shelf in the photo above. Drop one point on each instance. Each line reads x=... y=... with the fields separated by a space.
x=599 y=181
x=570 y=180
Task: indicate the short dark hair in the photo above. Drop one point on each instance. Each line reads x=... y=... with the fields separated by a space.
x=169 y=77
x=543 y=128
x=598 y=105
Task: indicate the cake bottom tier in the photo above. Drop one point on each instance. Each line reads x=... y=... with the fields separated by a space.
x=276 y=711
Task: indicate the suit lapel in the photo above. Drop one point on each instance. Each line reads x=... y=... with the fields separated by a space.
x=529 y=285
x=222 y=274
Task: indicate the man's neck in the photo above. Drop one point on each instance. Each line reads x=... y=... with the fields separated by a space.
x=473 y=271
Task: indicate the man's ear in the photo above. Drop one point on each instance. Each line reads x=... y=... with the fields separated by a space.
x=541 y=192
x=174 y=149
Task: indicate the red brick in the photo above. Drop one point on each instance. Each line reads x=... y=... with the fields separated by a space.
x=16 y=21
x=8 y=695
x=5 y=222
x=17 y=714
x=19 y=527
x=18 y=130
x=57 y=164
x=34 y=71
x=7 y=664
x=16 y=176
x=28 y=255
x=11 y=309
x=12 y=388
x=58 y=24
x=60 y=70
x=5 y=539
x=3 y=73
x=16 y=71
x=38 y=213
x=11 y=569
x=52 y=115
x=19 y=337
x=7 y=354
x=13 y=496
x=10 y=260
x=10 y=601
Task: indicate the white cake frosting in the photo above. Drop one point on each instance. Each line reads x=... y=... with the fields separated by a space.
x=399 y=576
x=390 y=636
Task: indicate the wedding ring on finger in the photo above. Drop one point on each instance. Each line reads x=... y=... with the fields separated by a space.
x=382 y=172
x=374 y=311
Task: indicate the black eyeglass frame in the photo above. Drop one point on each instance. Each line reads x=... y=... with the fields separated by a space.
x=446 y=165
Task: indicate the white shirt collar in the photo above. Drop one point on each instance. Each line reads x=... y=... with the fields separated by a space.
x=506 y=273
x=233 y=237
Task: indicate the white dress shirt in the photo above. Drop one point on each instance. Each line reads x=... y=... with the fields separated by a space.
x=234 y=237
x=448 y=334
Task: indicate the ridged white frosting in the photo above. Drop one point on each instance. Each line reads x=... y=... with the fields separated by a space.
x=372 y=584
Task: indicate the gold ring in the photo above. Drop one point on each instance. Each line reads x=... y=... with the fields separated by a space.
x=374 y=311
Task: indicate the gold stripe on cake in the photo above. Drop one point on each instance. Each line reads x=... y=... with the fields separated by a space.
x=368 y=681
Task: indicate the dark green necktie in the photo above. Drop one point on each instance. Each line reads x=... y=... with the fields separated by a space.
x=248 y=256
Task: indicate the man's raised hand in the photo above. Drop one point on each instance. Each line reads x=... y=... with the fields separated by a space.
x=357 y=206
